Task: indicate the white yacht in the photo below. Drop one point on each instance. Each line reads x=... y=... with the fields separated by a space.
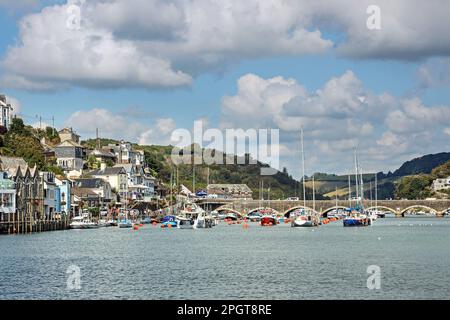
x=81 y=222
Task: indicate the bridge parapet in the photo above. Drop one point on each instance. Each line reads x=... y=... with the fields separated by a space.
x=398 y=207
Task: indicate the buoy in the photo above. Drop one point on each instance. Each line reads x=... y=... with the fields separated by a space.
x=169 y=226
x=136 y=228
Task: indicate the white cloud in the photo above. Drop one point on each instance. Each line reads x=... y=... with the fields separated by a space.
x=15 y=104
x=156 y=43
x=337 y=118
x=121 y=127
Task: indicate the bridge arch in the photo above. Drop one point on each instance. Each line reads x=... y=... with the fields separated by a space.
x=264 y=208
x=287 y=213
x=331 y=209
x=402 y=212
x=230 y=210
x=382 y=208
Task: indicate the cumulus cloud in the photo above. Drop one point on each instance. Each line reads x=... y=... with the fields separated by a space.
x=338 y=117
x=434 y=73
x=156 y=43
x=120 y=126
x=15 y=104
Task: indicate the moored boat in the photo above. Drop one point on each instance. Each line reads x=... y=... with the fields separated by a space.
x=185 y=223
x=269 y=221
x=125 y=224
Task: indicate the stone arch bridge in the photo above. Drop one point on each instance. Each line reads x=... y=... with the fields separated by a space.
x=398 y=207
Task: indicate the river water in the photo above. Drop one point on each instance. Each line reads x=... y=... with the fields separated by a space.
x=228 y=262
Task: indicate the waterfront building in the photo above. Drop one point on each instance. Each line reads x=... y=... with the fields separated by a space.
x=7 y=197
x=126 y=154
x=230 y=191
x=50 y=195
x=99 y=186
x=115 y=176
x=140 y=182
x=5 y=112
x=102 y=155
x=441 y=184
x=84 y=198
x=65 y=195
x=29 y=188
x=69 y=155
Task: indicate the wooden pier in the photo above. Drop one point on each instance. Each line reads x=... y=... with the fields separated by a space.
x=22 y=225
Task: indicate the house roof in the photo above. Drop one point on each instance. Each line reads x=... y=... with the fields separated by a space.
x=84 y=192
x=13 y=165
x=110 y=171
x=69 y=143
x=92 y=183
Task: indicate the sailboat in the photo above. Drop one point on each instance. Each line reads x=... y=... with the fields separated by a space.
x=304 y=218
x=125 y=223
x=358 y=217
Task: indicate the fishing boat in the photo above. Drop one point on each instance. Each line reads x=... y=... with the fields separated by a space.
x=269 y=221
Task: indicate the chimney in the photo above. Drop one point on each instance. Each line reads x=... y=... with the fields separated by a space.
x=103 y=166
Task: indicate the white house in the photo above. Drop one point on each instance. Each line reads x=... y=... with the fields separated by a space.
x=116 y=176
x=69 y=156
x=441 y=184
x=50 y=189
x=7 y=196
x=5 y=112
x=125 y=153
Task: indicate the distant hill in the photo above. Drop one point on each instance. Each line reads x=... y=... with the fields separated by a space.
x=423 y=164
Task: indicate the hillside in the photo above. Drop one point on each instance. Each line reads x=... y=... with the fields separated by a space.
x=281 y=185
x=423 y=164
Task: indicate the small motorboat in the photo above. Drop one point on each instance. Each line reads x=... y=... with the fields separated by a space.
x=268 y=221
x=254 y=217
x=125 y=224
x=146 y=220
x=360 y=220
x=169 y=222
x=185 y=223
x=302 y=221
x=81 y=222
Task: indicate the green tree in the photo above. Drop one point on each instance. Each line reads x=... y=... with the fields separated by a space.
x=414 y=187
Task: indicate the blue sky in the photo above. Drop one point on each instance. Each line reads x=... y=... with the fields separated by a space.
x=200 y=75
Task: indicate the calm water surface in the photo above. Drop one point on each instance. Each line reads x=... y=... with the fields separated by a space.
x=229 y=262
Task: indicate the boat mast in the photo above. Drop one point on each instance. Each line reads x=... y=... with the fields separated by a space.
x=349 y=191
x=356 y=176
x=376 y=192
x=314 y=193
x=303 y=167
x=336 y=198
